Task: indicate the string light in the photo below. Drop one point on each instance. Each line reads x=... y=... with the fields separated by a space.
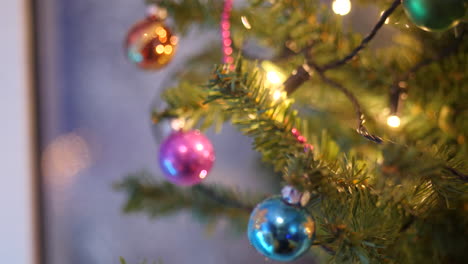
x=276 y=95
x=341 y=7
x=393 y=121
x=273 y=77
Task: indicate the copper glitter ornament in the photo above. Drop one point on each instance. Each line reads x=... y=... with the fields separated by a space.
x=150 y=44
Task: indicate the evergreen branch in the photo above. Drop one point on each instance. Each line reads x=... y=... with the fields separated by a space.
x=285 y=53
x=405 y=203
x=397 y=89
x=221 y=198
x=269 y=122
x=355 y=219
x=123 y=261
x=164 y=198
x=243 y=99
x=460 y=175
x=254 y=110
x=359 y=234
x=187 y=12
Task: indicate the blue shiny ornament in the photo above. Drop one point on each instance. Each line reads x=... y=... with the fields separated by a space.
x=280 y=231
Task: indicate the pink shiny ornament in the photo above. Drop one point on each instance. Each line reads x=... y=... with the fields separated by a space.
x=186 y=157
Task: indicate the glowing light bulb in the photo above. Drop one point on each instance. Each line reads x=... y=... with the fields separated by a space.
x=273 y=77
x=276 y=95
x=393 y=121
x=341 y=7
x=279 y=220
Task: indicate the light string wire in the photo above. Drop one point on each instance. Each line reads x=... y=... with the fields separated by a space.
x=335 y=64
x=365 y=41
x=304 y=73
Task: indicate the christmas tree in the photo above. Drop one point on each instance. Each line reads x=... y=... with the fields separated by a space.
x=369 y=139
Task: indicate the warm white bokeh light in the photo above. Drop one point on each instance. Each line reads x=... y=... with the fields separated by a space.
x=64 y=158
x=245 y=22
x=273 y=77
x=177 y=124
x=341 y=7
x=273 y=74
x=393 y=121
x=276 y=95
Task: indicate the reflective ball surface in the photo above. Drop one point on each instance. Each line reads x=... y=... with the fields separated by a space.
x=280 y=231
x=150 y=44
x=435 y=15
x=186 y=158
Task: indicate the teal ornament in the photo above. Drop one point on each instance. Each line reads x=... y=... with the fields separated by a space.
x=279 y=230
x=435 y=15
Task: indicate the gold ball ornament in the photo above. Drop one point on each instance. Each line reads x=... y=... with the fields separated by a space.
x=150 y=44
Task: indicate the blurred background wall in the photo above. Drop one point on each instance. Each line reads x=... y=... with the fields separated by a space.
x=17 y=239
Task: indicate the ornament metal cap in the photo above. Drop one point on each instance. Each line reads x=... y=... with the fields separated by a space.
x=153 y=10
x=294 y=197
